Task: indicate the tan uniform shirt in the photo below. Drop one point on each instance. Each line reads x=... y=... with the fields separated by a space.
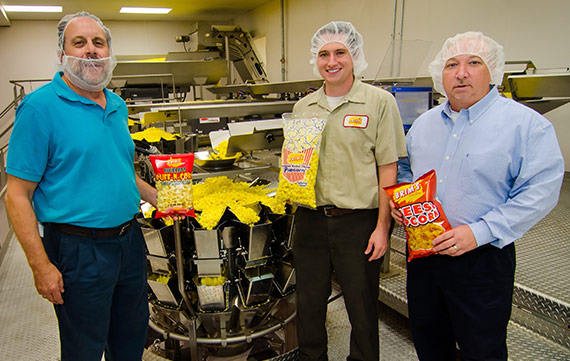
x=362 y=132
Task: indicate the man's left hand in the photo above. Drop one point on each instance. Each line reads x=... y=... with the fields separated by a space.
x=456 y=242
x=377 y=245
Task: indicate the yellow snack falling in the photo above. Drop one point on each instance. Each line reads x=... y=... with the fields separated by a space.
x=153 y=135
x=221 y=152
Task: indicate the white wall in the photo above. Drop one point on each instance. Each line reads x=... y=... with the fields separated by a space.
x=527 y=29
x=303 y=18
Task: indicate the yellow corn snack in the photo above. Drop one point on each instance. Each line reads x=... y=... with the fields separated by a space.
x=300 y=159
x=421 y=237
x=160 y=278
x=153 y=135
x=163 y=279
x=215 y=194
x=173 y=195
x=221 y=152
x=212 y=281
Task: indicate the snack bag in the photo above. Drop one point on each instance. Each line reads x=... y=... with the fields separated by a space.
x=300 y=159
x=424 y=219
x=173 y=175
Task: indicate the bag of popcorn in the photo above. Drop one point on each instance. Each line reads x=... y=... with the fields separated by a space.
x=300 y=158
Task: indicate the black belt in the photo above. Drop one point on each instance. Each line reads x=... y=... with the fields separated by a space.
x=332 y=211
x=91 y=232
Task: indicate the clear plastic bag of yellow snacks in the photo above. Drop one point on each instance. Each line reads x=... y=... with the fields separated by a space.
x=300 y=158
x=424 y=219
x=173 y=175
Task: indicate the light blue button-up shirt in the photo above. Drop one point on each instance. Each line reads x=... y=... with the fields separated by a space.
x=499 y=167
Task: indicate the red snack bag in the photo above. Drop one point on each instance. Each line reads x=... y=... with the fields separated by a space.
x=173 y=176
x=424 y=219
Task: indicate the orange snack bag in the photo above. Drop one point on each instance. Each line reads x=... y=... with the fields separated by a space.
x=173 y=176
x=424 y=219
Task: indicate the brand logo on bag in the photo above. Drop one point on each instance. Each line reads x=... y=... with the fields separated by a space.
x=296 y=165
x=296 y=158
x=175 y=162
x=355 y=121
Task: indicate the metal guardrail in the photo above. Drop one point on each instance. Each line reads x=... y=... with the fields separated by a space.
x=4 y=239
x=19 y=94
x=6 y=242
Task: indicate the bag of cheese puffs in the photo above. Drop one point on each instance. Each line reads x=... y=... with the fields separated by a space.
x=424 y=219
x=173 y=176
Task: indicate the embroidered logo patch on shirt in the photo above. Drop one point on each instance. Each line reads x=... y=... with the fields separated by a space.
x=355 y=121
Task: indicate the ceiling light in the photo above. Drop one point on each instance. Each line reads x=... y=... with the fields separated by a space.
x=32 y=9
x=131 y=10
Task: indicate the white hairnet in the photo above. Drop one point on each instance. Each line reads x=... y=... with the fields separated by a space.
x=64 y=22
x=473 y=43
x=340 y=32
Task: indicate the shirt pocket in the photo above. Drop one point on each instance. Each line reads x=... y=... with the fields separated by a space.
x=483 y=173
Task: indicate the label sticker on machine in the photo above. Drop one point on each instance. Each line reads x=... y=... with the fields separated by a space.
x=209 y=120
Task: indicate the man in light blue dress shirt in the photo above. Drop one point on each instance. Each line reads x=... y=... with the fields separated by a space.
x=499 y=170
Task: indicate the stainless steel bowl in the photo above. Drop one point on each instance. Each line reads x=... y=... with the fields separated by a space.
x=201 y=159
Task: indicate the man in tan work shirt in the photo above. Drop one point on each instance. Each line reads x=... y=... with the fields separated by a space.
x=348 y=232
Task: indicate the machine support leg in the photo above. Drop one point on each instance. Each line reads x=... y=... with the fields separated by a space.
x=180 y=273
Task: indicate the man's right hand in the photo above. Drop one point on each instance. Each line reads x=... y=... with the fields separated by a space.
x=396 y=214
x=49 y=283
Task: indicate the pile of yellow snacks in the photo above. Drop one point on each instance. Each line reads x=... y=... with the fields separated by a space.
x=153 y=135
x=163 y=278
x=214 y=195
x=424 y=219
x=221 y=152
x=300 y=159
x=173 y=176
x=212 y=281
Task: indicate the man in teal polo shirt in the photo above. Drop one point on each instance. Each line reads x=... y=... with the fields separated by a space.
x=70 y=168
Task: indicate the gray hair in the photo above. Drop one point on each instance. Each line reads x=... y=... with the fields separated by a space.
x=64 y=22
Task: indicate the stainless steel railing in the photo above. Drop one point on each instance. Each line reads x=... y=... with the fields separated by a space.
x=6 y=237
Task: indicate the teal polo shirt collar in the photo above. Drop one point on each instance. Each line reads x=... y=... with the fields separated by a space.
x=64 y=91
